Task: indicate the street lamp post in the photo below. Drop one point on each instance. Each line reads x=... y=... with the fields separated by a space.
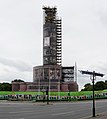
x=93 y=74
x=93 y=94
x=47 y=94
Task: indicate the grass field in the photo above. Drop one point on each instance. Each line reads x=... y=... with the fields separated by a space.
x=52 y=93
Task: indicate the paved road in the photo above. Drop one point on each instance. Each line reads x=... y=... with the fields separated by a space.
x=71 y=110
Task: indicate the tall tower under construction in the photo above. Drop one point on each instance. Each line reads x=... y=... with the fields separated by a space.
x=52 y=53
x=51 y=75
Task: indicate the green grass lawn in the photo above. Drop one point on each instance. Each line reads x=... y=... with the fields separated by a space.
x=81 y=93
x=18 y=92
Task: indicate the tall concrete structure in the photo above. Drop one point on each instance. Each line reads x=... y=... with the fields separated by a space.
x=51 y=75
x=52 y=46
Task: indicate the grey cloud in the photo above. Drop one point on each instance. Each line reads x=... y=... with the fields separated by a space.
x=82 y=80
x=103 y=18
x=21 y=35
x=100 y=9
x=17 y=64
x=10 y=74
x=100 y=67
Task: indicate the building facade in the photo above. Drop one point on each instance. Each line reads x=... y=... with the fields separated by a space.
x=47 y=76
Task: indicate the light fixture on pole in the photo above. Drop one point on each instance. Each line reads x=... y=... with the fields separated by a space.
x=93 y=74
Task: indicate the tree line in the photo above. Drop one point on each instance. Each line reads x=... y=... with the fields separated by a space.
x=100 y=85
x=5 y=87
x=8 y=86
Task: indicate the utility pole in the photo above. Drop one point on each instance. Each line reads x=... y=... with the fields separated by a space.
x=93 y=74
x=93 y=94
x=47 y=94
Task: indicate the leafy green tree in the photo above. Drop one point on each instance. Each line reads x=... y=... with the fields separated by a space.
x=106 y=82
x=100 y=85
x=18 y=80
x=88 y=87
x=5 y=87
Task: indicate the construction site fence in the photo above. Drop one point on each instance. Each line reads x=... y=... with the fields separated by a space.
x=37 y=98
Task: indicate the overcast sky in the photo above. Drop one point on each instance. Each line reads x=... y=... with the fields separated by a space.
x=84 y=25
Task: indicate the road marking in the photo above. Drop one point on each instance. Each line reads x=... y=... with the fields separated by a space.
x=87 y=117
x=62 y=113
x=20 y=111
x=100 y=106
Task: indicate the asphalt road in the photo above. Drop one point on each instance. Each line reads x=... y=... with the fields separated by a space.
x=66 y=110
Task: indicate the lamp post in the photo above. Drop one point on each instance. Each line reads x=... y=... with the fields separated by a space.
x=93 y=74
x=93 y=94
x=47 y=94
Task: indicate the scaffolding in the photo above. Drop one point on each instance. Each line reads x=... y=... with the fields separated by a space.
x=53 y=35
